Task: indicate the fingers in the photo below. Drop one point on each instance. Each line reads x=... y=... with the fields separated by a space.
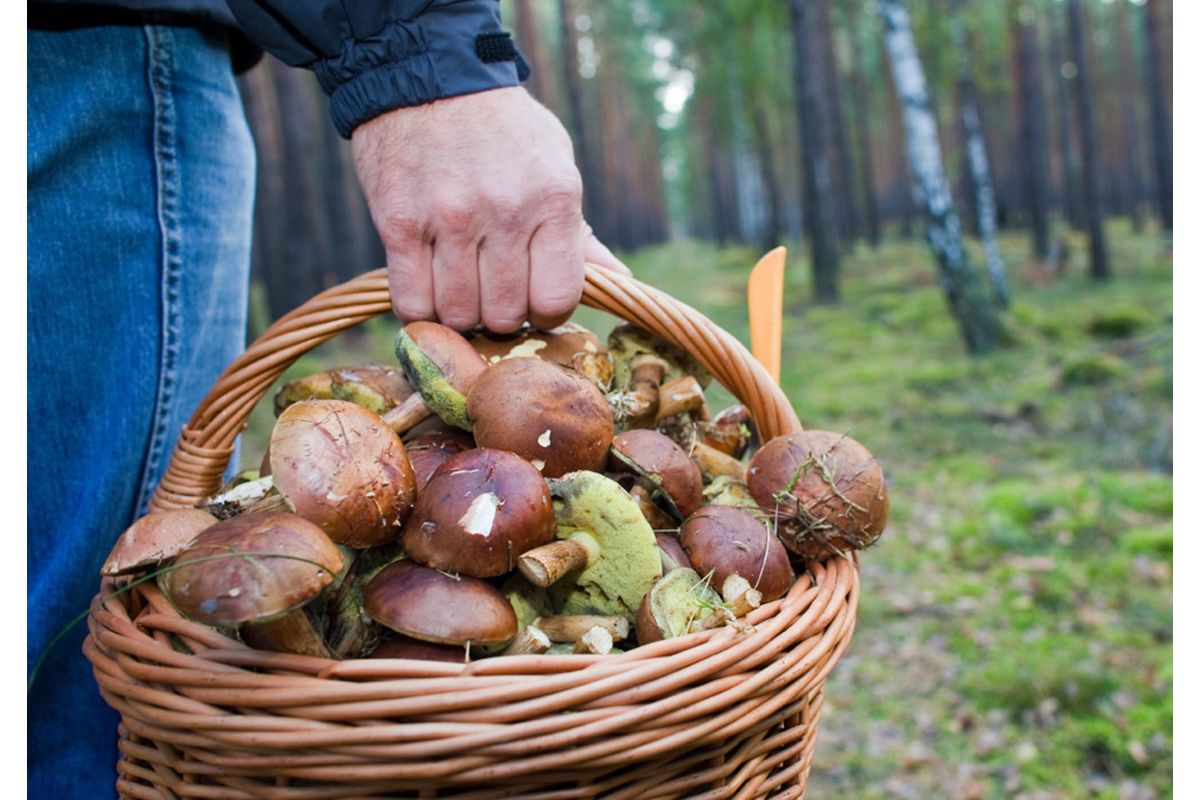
x=410 y=275
x=456 y=281
x=504 y=281
x=555 y=270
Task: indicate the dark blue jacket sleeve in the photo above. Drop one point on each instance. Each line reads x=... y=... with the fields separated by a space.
x=372 y=57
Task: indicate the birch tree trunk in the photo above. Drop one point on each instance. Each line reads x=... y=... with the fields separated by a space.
x=818 y=196
x=1091 y=151
x=977 y=318
x=977 y=163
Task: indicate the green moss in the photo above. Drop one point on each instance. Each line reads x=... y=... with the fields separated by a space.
x=1092 y=370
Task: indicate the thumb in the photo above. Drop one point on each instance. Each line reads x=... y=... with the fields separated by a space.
x=595 y=252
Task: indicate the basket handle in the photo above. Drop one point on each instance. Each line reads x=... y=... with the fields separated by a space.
x=206 y=444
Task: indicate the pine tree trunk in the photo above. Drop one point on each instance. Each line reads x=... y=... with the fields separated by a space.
x=839 y=143
x=1068 y=192
x=1087 y=128
x=818 y=211
x=1033 y=128
x=529 y=39
x=1131 y=150
x=773 y=227
x=586 y=154
x=862 y=128
x=1160 y=119
x=977 y=162
x=976 y=316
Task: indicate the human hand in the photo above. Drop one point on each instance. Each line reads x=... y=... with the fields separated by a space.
x=478 y=203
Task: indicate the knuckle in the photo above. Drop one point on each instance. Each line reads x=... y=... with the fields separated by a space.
x=398 y=228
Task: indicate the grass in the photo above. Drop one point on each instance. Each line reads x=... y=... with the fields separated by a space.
x=1015 y=632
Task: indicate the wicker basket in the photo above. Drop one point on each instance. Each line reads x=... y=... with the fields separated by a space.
x=717 y=714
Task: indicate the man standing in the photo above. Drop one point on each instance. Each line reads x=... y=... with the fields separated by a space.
x=140 y=174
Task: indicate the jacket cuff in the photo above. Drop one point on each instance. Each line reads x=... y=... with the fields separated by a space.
x=448 y=51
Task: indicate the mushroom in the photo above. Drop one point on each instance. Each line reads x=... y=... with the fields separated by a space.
x=682 y=602
x=530 y=641
x=375 y=387
x=714 y=464
x=348 y=633
x=732 y=431
x=441 y=365
x=725 y=490
x=428 y=451
x=825 y=490
x=435 y=607
x=255 y=572
x=318 y=386
x=569 y=345
x=642 y=362
x=659 y=519
x=158 y=536
x=662 y=463
x=400 y=646
x=550 y=416
x=570 y=627
x=681 y=397
x=604 y=542
x=340 y=466
x=481 y=510
x=671 y=552
x=725 y=541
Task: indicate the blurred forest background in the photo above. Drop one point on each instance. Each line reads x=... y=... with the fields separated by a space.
x=977 y=197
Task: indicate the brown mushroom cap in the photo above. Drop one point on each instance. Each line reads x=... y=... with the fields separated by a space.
x=724 y=541
x=552 y=417
x=827 y=490
x=407 y=647
x=251 y=568
x=671 y=552
x=664 y=463
x=569 y=345
x=155 y=537
x=343 y=468
x=428 y=451
x=481 y=510
x=429 y=605
x=731 y=431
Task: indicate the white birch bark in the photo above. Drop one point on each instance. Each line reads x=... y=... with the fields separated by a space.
x=962 y=286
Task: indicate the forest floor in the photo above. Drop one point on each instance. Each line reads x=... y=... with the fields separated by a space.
x=1014 y=636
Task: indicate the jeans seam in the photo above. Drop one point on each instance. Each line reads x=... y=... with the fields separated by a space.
x=160 y=69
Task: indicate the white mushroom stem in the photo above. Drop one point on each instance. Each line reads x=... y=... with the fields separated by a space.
x=291 y=633
x=740 y=596
x=531 y=641
x=572 y=627
x=545 y=565
x=713 y=463
x=405 y=416
x=682 y=395
x=595 y=641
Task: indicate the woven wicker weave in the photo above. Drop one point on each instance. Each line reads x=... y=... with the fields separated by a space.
x=718 y=714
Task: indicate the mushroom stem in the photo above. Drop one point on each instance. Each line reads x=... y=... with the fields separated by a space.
x=646 y=374
x=682 y=395
x=238 y=499
x=713 y=463
x=291 y=633
x=405 y=416
x=531 y=641
x=545 y=565
x=595 y=641
x=740 y=596
x=572 y=627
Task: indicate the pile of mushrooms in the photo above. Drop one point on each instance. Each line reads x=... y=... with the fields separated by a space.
x=531 y=493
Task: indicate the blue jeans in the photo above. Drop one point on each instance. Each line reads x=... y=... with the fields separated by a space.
x=141 y=183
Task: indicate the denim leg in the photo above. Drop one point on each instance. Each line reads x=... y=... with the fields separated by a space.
x=140 y=187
